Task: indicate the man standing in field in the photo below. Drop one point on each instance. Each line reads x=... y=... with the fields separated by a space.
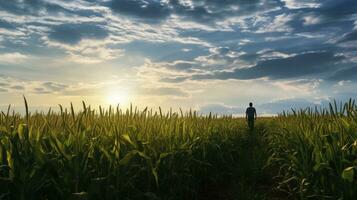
x=250 y=116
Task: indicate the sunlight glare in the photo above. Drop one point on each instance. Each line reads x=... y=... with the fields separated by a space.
x=117 y=97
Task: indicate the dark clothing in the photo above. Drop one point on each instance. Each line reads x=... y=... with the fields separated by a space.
x=251 y=123
x=250 y=115
x=250 y=112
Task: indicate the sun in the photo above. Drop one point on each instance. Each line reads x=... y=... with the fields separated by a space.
x=118 y=97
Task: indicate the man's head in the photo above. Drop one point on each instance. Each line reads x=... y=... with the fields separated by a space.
x=250 y=104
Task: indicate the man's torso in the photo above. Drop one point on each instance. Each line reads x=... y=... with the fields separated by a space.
x=250 y=112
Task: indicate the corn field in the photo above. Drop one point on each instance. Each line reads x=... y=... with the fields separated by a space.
x=142 y=154
x=315 y=152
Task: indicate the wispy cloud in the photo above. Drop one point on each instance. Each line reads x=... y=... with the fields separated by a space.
x=12 y=58
x=298 y=4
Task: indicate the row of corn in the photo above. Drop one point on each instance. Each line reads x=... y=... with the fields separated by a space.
x=114 y=154
x=314 y=152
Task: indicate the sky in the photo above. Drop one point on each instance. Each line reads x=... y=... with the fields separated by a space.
x=208 y=55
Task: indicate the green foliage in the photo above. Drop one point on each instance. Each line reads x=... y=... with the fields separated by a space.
x=316 y=152
x=115 y=154
x=131 y=154
x=348 y=174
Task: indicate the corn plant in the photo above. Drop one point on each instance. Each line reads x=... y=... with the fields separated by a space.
x=113 y=153
x=315 y=151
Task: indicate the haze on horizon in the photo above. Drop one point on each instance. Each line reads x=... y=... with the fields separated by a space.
x=209 y=55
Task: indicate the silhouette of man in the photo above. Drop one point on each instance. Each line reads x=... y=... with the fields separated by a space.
x=250 y=116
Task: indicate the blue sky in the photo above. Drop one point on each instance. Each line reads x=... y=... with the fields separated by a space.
x=209 y=55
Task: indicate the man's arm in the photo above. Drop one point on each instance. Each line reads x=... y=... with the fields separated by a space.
x=255 y=114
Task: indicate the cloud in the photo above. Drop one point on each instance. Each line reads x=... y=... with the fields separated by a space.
x=93 y=54
x=345 y=74
x=48 y=87
x=39 y=90
x=18 y=87
x=54 y=86
x=12 y=58
x=22 y=7
x=352 y=36
x=164 y=91
x=83 y=91
x=32 y=7
x=301 y=86
x=338 y=9
x=150 y=9
x=11 y=84
x=220 y=109
x=173 y=79
x=7 y=25
x=4 y=84
x=202 y=11
x=164 y=50
x=311 y=20
x=181 y=65
x=74 y=33
x=280 y=68
x=89 y=49
x=218 y=58
x=277 y=48
x=298 y=4
x=208 y=11
x=278 y=24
